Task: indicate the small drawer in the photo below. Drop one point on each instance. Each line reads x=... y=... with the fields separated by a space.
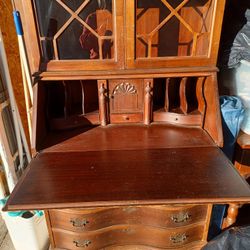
x=78 y=220
x=126 y=118
x=129 y=235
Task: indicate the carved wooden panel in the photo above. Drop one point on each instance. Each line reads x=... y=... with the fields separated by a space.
x=126 y=96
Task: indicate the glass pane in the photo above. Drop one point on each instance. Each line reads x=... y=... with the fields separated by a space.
x=166 y=28
x=76 y=29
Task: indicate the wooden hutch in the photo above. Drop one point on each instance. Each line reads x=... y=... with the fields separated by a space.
x=126 y=122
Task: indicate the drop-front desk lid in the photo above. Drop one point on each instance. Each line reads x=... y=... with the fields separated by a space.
x=154 y=173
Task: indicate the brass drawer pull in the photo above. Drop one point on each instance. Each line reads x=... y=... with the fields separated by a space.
x=179 y=238
x=82 y=243
x=79 y=222
x=180 y=218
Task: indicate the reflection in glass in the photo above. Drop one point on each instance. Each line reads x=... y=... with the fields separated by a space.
x=173 y=27
x=76 y=29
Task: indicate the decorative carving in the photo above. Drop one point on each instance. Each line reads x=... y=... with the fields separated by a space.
x=102 y=90
x=148 y=102
x=125 y=88
x=148 y=89
x=103 y=102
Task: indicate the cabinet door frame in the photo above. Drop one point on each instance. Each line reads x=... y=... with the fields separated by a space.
x=31 y=31
x=173 y=61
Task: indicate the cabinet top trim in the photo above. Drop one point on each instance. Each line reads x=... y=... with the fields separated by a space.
x=123 y=74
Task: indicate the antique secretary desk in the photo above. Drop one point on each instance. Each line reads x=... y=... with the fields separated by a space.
x=126 y=122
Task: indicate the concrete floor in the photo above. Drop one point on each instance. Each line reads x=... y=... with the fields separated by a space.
x=5 y=241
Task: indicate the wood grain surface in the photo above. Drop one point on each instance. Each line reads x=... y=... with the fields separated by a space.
x=127 y=235
x=120 y=137
x=82 y=220
x=129 y=177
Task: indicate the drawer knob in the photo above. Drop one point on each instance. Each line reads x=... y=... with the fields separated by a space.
x=179 y=238
x=82 y=243
x=180 y=218
x=79 y=222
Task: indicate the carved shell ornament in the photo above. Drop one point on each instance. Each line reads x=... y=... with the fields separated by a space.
x=125 y=88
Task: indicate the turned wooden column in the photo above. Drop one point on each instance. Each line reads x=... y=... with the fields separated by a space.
x=242 y=155
x=232 y=213
x=148 y=99
x=102 y=88
x=242 y=163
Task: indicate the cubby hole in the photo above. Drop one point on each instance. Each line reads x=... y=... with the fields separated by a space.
x=176 y=95
x=191 y=95
x=70 y=98
x=179 y=100
x=65 y=109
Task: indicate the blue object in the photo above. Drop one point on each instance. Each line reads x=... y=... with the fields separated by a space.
x=232 y=111
x=39 y=213
x=18 y=23
x=216 y=221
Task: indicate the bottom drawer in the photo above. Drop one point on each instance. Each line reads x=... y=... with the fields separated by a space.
x=191 y=246
x=128 y=235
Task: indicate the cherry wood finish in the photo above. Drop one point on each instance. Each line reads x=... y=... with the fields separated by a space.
x=178 y=100
x=126 y=223
x=193 y=246
x=232 y=213
x=48 y=221
x=103 y=107
x=122 y=137
x=126 y=137
x=81 y=220
x=128 y=74
x=243 y=140
x=207 y=21
x=242 y=155
x=116 y=173
x=127 y=235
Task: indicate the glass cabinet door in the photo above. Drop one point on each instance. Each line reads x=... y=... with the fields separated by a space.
x=80 y=34
x=170 y=32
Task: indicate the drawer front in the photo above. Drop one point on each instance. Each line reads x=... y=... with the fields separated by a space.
x=128 y=235
x=126 y=118
x=194 y=246
x=78 y=220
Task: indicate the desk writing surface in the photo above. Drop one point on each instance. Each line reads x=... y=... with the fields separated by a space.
x=126 y=137
x=128 y=177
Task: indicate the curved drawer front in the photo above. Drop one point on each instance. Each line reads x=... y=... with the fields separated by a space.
x=154 y=216
x=191 y=246
x=128 y=235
